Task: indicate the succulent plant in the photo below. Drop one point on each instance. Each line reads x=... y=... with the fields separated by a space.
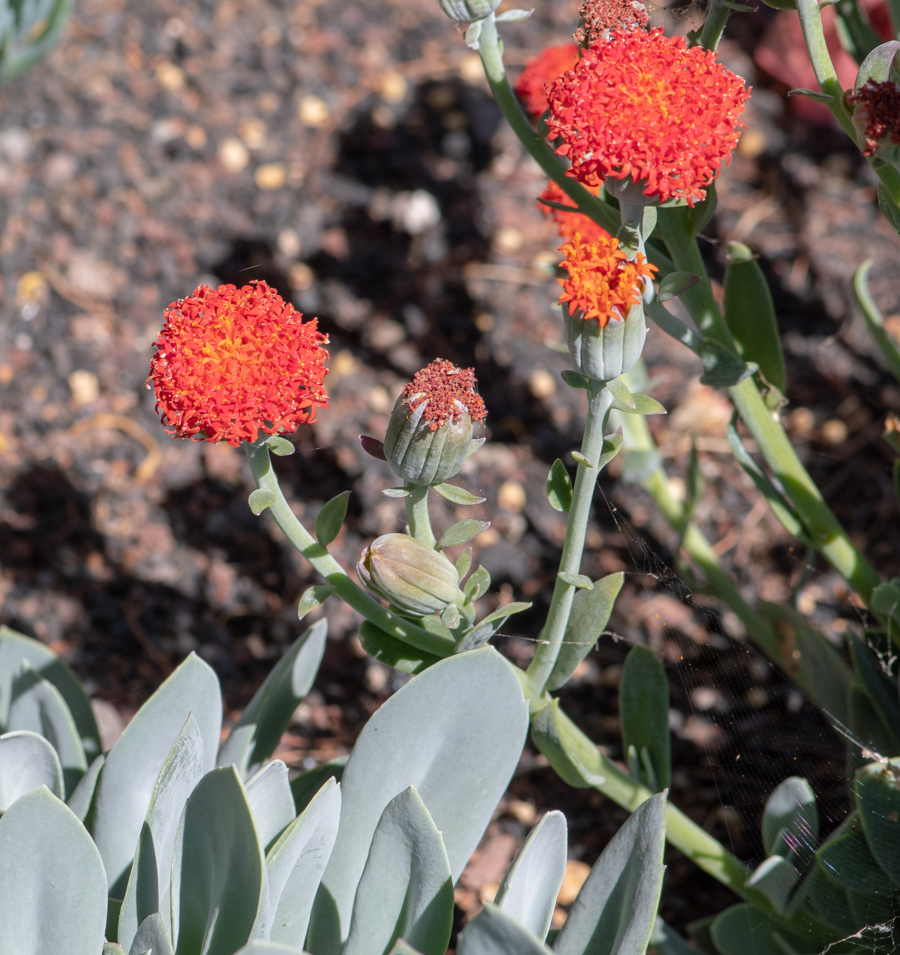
x=171 y=845
x=28 y=31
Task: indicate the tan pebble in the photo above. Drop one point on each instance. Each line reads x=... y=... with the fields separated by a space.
x=300 y=276
x=31 y=287
x=541 y=383
x=288 y=243
x=834 y=432
x=195 y=137
x=752 y=143
x=343 y=364
x=471 y=69
x=253 y=132
x=522 y=811
x=233 y=154
x=6 y=374
x=802 y=421
x=559 y=918
x=313 y=111
x=511 y=496
x=170 y=76
x=576 y=874
x=488 y=891
x=392 y=87
x=380 y=400
x=85 y=387
x=484 y=321
x=508 y=239
x=271 y=175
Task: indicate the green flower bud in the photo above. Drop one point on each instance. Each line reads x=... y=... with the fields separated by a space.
x=414 y=577
x=466 y=11
x=604 y=353
x=430 y=432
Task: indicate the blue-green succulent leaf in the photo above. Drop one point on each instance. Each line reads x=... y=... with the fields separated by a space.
x=271 y=801
x=52 y=883
x=616 y=908
x=405 y=890
x=133 y=765
x=493 y=932
x=27 y=761
x=529 y=889
x=263 y=722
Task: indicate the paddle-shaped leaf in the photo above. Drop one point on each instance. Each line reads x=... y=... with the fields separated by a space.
x=257 y=732
x=405 y=889
x=529 y=889
x=455 y=733
x=151 y=937
x=27 y=761
x=217 y=875
x=52 y=883
x=616 y=907
x=14 y=648
x=493 y=932
x=80 y=799
x=644 y=708
x=295 y=865
x=134 y=763
x=587 y=621
x=150 y=882
x=790 y=825
x=271 y=802
x=38 y=706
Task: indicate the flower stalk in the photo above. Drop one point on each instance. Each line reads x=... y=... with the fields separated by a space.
x=330 y=569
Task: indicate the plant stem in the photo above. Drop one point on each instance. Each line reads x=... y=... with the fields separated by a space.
x=716 y=18
x=599 y=401
x=830 y=539
x=417 y=515
x=350 y=592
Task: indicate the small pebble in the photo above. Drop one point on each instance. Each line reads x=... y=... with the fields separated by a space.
x=313 y=111
x=85 y=387
x=575 y=877
x=233 y=154
x=271 y=175
x=511 y=496
x=170 y=76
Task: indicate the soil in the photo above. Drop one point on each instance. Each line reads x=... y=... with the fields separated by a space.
x=350 y=155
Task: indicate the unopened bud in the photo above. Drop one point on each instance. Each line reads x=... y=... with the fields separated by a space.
x=414 y=577
x=605 y=352
x=466 y=11
x=876 y=119
x=430 y=433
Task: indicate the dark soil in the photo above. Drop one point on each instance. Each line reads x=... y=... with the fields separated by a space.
x=164 y=145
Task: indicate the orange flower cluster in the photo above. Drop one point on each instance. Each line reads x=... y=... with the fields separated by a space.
x=539 y=71
x=876 y=113
x=602 y=282
x=568 y=223
x=233 y=362
x=643 y=106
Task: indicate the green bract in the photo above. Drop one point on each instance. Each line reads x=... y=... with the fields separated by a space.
x=605 y=353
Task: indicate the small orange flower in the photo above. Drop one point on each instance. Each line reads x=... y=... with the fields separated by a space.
x=602 y=282
x=568 y=223
x=539 y=71
x=233 y=362
x=643 y=106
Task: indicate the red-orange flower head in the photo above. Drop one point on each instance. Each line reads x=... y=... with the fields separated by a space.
x=602 y=282
x=232 y=362
x=643 y=106
x=568 y=223
x=539 y=71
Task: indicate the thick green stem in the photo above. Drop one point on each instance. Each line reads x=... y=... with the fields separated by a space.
x=417 y=515
x=716 y=18
x=829 y=538
x=599 y=401
x=694 y=542
x=350 y=592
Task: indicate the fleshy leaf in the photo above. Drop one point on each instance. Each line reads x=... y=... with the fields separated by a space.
x=529 y=889
x=271 y=802
x=52 y=883
x=256 y=734
x=675 y=283
x=462 y=532
x=455 y=733
x=616 y=907
x=330 y=519
x=644 y=710
x=493 y=932
x=134 y=763
x=405 y=890
x=458 y=495
x=559 y=487
x=27 y=761
x=260 y=499
x=576 y=762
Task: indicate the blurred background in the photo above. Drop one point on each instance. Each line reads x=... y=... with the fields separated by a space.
x=350 y=155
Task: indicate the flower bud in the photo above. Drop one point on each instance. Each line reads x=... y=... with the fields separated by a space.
x=430 y=432
x=414 y=577
x=467 y=11
x=604 y=352
x=876 y=119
